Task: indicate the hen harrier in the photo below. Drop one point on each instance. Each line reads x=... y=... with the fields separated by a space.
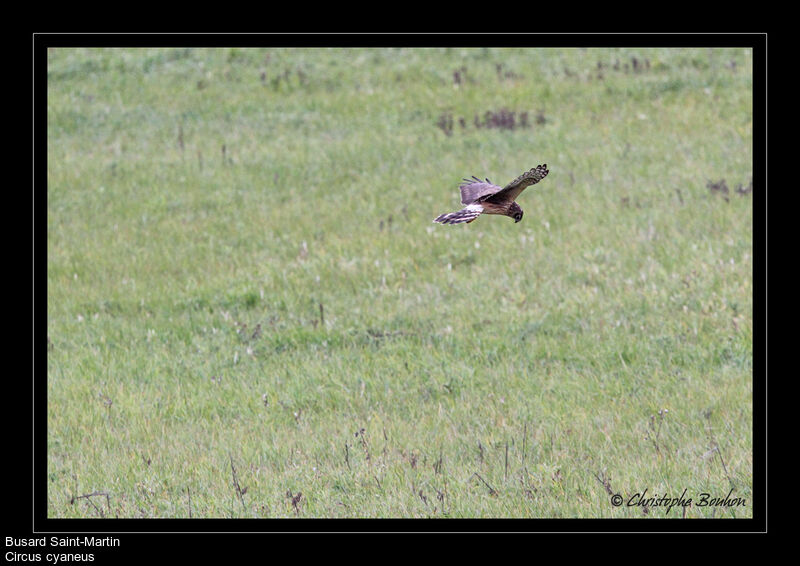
x=482 y=197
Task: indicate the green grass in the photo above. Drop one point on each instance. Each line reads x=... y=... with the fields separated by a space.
x=401 y=368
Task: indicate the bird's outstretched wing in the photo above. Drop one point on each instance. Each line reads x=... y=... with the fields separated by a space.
x=515 y=187
x=475 y=190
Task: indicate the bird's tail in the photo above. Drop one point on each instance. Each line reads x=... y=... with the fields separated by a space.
x=466 y=214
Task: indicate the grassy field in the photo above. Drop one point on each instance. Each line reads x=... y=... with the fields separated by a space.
x=251 y=314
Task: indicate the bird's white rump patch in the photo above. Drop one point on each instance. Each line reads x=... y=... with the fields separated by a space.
x=466 y=214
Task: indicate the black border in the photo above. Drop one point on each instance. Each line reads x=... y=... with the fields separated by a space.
x=185 y=534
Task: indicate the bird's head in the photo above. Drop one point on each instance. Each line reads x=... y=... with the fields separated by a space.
x=515 y=212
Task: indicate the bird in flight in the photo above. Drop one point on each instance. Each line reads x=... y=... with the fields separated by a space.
x=482 y=197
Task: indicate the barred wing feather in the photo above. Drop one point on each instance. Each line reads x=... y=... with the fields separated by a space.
x=515 y=187
x=475 y=190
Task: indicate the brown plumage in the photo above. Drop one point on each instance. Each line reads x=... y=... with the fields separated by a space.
x=483 y=197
